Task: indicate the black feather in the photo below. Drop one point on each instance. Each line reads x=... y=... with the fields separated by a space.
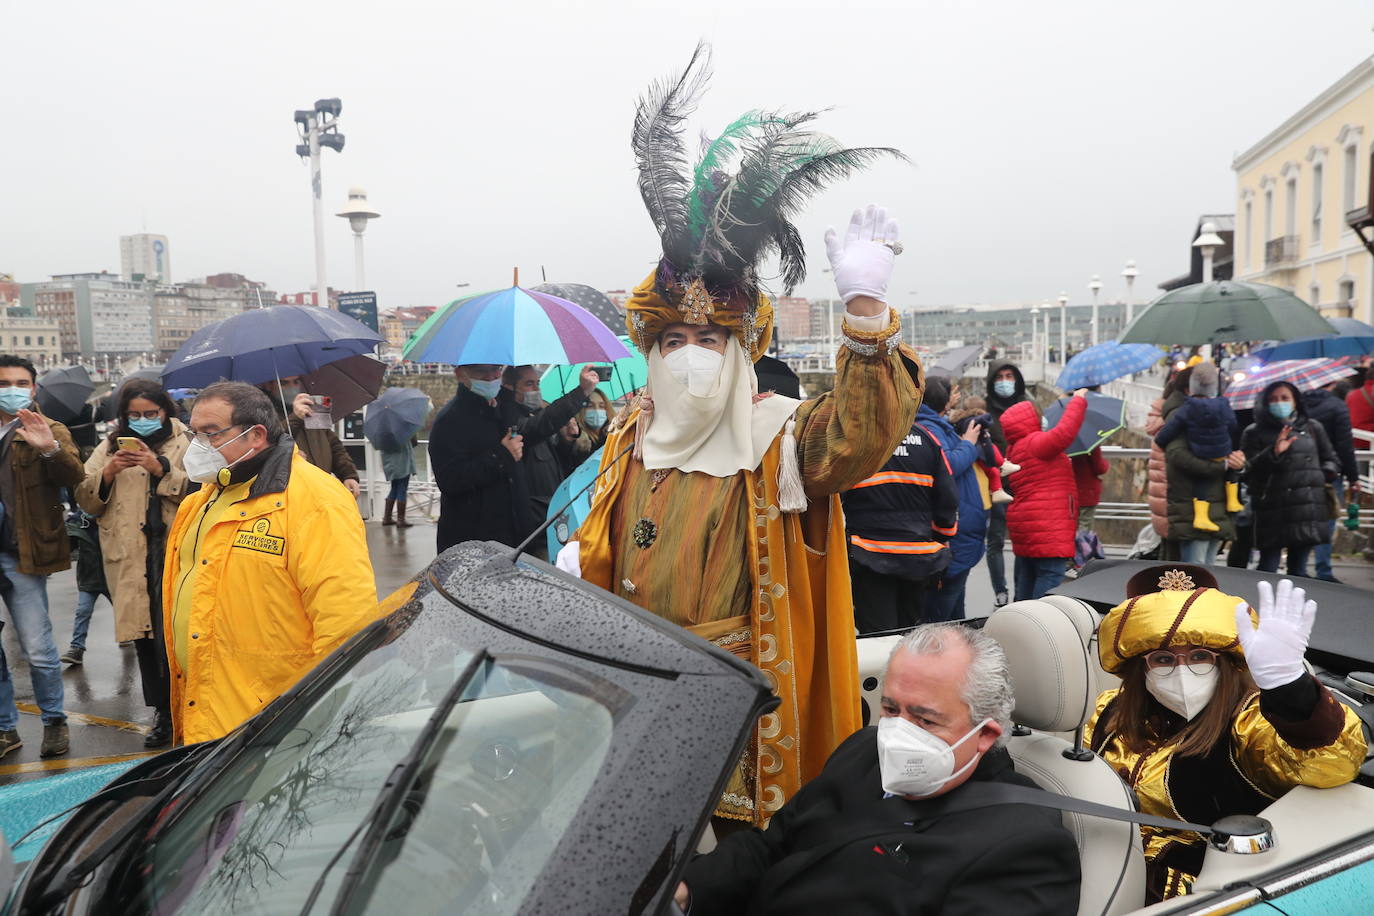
x=657 y=140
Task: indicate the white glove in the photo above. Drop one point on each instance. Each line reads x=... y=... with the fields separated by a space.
x=863 y=263
x=1275 y=650
x=570 y=559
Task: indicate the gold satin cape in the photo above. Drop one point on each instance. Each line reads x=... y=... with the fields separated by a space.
x=799 y=626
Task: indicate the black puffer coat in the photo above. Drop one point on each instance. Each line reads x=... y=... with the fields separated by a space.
x=1288 y=491
x=997 y=404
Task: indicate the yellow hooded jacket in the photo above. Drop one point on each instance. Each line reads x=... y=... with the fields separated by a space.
x=283 y=578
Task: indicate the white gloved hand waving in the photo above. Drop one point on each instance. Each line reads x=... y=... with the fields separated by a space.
x=1274 y=651
x=862 y=263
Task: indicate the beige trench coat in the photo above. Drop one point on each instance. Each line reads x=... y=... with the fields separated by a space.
x=121 y=518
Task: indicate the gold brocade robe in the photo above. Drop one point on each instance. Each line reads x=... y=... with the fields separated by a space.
x=1267 y=764
x=717 y=556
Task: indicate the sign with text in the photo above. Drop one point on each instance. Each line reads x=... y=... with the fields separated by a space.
x=362 y=306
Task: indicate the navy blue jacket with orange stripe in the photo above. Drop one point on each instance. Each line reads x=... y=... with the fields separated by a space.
x=900 y=519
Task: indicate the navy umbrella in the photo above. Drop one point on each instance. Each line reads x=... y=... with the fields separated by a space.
x=62 y=392
x=263 y=344
x=1103 y=418
x=396 y=415
x=1356 y=339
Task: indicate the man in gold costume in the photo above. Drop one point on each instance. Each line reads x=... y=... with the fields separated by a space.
x=718 y=508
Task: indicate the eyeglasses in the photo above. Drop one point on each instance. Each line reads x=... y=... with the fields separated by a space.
x=206 y=440
x=145 y=415
x=1199 y=661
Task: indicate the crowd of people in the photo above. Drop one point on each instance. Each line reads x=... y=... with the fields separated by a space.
x=1267 y=481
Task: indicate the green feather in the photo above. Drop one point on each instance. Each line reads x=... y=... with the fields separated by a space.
x=713 y=157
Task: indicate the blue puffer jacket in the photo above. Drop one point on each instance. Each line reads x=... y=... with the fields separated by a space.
x=967 y=547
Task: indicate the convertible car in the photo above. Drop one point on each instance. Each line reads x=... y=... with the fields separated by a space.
x=508 y=739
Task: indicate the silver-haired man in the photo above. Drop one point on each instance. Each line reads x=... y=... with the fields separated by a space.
x=866 y=836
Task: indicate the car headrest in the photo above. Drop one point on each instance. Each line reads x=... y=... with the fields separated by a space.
x=1047 y=642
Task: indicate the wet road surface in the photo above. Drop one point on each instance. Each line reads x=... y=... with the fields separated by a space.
x=104 y=701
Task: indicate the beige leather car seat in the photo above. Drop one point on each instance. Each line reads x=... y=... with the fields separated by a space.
x=1056 y=677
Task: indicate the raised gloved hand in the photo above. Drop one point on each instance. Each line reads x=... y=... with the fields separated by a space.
x=1275 y=649
x=862 y=263
x=569 y=559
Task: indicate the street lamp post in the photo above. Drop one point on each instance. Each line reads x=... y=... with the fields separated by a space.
x=1096 y=286
x=1045 y=343
x=1035 y=335
x=1130 y=273
x=358 y=211
x=1208 y=242
x=1063 y=326
x=318 y=127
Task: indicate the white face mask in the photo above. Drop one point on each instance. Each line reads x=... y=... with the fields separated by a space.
x=1181 y=690
x=532 y=399
x=695 y=368
x=912 y=761
x=204 y=462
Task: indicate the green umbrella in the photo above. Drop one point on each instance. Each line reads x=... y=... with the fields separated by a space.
x=628 y=374
x=1226 y=310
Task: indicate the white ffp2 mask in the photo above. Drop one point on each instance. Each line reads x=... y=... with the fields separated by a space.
x=1181 y=690
x=912 y=761
x=695 y=368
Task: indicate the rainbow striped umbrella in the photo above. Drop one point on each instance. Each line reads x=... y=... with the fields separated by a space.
x=1304 y=374
x=513 y=327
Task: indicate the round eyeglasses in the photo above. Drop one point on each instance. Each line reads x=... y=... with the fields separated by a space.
x=1199 y=661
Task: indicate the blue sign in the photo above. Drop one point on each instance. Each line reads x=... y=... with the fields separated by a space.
x=361 y=306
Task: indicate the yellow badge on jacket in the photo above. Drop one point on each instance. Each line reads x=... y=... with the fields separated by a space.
x=260 y=538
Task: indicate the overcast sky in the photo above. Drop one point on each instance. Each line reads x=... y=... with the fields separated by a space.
x=1050 y=140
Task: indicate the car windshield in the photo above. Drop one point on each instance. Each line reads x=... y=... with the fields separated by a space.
x=494 y=793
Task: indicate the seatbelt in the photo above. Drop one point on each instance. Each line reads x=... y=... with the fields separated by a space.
x=971 y=796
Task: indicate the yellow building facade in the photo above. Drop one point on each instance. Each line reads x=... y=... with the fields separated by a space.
x=1293 y=191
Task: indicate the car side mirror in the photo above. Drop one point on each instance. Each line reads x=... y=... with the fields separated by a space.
x=1242 y=834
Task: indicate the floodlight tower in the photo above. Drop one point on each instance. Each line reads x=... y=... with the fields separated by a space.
x=319 y=127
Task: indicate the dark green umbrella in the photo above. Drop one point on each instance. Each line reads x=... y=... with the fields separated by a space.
x=1226 y=310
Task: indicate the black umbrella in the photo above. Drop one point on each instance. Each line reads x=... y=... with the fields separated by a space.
x=591 y=299
x=62 y=392
x=1344 y=625
x=147 y=374
x=1103 y=418
x=775 y=375
x=350 y=383
x=396 y=415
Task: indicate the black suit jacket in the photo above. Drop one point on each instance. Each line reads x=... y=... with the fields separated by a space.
x=1011 y=859
x=482 y=497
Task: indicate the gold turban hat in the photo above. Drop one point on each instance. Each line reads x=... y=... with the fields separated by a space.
x=657 y=304
x=1169 y=605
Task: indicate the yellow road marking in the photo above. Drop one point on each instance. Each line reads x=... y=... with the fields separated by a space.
x=91 y=720
x=41 y=766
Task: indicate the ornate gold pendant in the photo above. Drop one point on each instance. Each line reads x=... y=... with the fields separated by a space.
x=697 y=307
x=645 y=532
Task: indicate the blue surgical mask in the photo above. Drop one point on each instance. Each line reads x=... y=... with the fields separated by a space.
x=144 y=427
x=1281 y=409
x=594 y=417
x=1004 y=387
x=485 y=388
x=14 y=399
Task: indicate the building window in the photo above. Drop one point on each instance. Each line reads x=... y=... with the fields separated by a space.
x=1249 y=231
x=1268 y=214
x=1351 y=164
x=1348 y=293
x=40 y=340
x=1317 y=170
x=1290 y=215
x=1314 y=295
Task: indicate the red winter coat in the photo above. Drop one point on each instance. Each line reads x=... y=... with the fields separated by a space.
x=1088 y=471
x=1361 y=404
x=1043 y=518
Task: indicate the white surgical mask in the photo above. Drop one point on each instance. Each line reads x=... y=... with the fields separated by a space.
x=695 y=368
x=1004 y=387
x=1181 y=690
x=485 y=388
x=532 y=399
x=204 y=462
x=912 y=761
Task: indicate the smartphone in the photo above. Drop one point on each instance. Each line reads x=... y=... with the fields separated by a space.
x=603 y=373
x=128 y=444
x=320 y=418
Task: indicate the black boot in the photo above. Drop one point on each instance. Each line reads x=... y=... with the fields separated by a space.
x=161 y=733
x=386 y=516
x=401 y=514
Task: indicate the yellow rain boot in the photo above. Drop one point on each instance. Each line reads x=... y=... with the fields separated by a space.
x=1233 y=503
x=1200 y=520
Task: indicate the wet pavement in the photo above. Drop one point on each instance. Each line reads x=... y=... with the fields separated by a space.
x=104 y=700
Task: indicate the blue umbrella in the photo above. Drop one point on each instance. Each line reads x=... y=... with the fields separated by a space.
x=1101 y=363
x=1356 y=339
x=567 y=523
x=263 y=344
x=396 y=415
